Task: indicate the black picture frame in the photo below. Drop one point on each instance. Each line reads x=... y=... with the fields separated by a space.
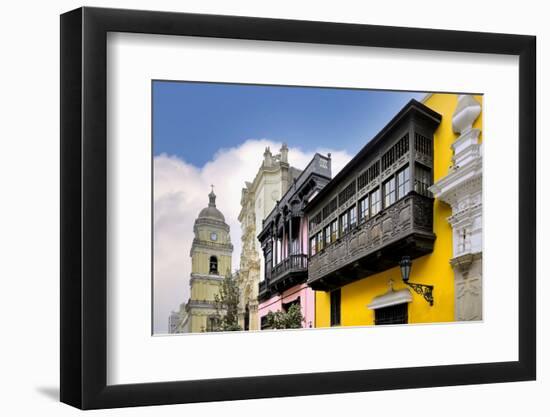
x=84 y=207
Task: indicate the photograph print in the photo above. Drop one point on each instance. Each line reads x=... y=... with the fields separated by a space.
x=289 y=207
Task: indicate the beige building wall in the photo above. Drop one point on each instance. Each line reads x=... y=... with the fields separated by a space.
x=258 y=199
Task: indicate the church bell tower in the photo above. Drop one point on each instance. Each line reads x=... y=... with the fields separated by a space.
x=211 y=262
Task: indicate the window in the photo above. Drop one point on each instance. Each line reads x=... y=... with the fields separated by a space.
x=362 y=180
x=330 y=208
x=375 y=202
x=346 y=193
x=396 y=314
x=320 y=242
x=334 y=230
x=313 y=246
x=352 y=217
x=213 y=265
x=315 y=220
x=363 y=209
x=423 y=144
x=389 y=192
x=295 y=247
x=369 y=175
x=395 y=152
x=403 y=182
x=423 y=180
x=344 y=224
x=286 y=306
x=268 y=264
x=335 y=304
x=327 y=236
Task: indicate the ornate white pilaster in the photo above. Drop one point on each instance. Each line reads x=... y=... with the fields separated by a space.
x=257 y=200
x=461 y=189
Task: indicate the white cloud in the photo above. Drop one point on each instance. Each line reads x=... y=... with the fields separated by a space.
x=181 y=191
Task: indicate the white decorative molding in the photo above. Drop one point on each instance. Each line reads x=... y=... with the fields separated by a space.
x=466 y=113
x=461 y=188
x=391 y=298
x=468 y=287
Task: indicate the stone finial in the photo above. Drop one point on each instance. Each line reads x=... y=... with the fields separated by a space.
x=268 y=157
x=467 y=111
x=284 y=153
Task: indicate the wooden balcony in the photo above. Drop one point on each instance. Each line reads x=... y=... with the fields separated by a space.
x=289 y=272
x=404 y=228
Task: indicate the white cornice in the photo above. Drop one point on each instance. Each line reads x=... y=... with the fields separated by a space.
x=466 y=113
x=206 y=277
x=465 y=179
x=391 y=298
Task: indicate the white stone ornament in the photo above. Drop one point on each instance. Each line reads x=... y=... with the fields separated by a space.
x=467 y=111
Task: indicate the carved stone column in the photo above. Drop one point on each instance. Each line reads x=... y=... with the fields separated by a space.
x=461 y=189
x=252 y=293
x=241 y=277
x=253 y=312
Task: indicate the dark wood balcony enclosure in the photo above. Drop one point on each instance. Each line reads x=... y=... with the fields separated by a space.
x=378 y=208
x=282 y=237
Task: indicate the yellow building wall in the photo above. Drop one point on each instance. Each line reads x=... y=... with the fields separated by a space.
x=432 y=269
x=204 y=289
x=199 y=320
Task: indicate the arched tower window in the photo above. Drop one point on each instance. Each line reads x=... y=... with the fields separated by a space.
x=213 y=265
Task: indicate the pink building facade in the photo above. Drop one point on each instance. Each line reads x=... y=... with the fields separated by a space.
x=285 y=245
x=299 y=294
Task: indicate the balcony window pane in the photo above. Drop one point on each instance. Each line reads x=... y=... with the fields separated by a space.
x=403 y=182
x=375 y=202
x=313 y=246
x=389 y=192
x=295 y=247
x=334 y=231
x=364 y=209
x=320 y=241
x=352 y=217
x=327 y=236
x=344 y=224
x=423 y=180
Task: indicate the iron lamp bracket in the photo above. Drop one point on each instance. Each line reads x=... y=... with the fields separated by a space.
x=425 y=291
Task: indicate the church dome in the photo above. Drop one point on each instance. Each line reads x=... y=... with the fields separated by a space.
x=211 y=212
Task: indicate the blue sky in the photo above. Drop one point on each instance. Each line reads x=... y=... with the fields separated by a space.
x=194 y=120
